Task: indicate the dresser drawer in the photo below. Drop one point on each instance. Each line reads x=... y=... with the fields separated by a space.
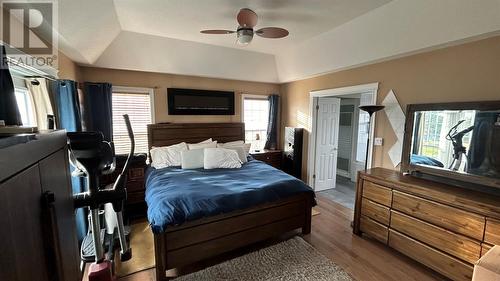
x=135 y=197
x=135 y=173
x=374 y=229
x=456 y=220
x=492 y=232
x=135 y=186
x=375 y=211
x=440 y=262
x=449 y=242
x=271 y=158
x=377 y=193
x=485 y=248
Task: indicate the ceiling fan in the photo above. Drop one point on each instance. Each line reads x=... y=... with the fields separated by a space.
x=247 y=20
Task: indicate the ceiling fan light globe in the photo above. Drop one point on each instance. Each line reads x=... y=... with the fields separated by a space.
x=245 y=36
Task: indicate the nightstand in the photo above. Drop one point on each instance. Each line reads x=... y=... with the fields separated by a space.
x=271 y=157
x=135 y=205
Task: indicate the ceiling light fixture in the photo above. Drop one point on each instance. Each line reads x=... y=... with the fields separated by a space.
x=247 y=19
x=245 y=36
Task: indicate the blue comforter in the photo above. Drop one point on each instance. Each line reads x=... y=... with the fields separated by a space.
x=175 y=196
x=425 y=160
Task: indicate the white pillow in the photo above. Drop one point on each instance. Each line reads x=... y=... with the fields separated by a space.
x=167 y=156
x=205 y=141
x=202 y=145
x=220 y=158
x=232 y=144
x=192 y=159
x=242 y=154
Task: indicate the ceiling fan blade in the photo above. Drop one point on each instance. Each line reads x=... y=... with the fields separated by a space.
x=247 y=18
x=217 y=31
x=272 y=32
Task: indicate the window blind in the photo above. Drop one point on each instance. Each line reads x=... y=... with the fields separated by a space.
x=138 y=107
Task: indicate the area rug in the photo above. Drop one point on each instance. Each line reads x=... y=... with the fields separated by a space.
x=143 y=252
x=292 y=260
x=294 y=257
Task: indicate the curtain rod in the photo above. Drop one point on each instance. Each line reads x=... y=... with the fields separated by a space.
x=31 y=70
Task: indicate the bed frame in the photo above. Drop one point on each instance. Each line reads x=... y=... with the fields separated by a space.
x=198 y=240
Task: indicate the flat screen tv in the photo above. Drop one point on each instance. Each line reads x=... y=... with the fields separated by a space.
x=456 y=143
x=199 y=102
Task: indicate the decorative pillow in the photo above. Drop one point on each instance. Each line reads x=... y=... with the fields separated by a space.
x=192 y=159
x=242 y=154
x=167 y=156
x=220 y=158
x=202 y=145
x=233 y=144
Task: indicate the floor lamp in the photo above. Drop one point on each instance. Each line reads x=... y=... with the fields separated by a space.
x=370 y=109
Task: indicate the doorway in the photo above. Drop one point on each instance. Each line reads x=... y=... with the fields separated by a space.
x=339 y=132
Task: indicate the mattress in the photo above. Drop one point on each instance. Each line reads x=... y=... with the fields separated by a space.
x=175 y=196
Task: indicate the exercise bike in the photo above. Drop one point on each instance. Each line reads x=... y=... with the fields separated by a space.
x=93 y=157
x=459 y=150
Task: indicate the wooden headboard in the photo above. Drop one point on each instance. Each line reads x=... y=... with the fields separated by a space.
x=173 y=133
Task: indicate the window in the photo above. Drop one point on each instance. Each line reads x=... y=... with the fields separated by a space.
x=25 y=106
x=255 y=117
x=137 y=103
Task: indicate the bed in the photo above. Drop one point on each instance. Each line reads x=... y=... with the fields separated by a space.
x=184 y=237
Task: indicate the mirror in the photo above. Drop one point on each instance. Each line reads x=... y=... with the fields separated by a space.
x=454 y=139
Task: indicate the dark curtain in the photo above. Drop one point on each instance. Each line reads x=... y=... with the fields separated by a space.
x=68 y=117
x=416 y=130
x=272 y=125
x=9 y=112
x=97 y=107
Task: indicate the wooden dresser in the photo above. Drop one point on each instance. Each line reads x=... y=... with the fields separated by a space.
x=443 y=227
x=271 y=157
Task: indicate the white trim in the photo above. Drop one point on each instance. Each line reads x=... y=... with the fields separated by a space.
x=139 y=90
x=371 y=88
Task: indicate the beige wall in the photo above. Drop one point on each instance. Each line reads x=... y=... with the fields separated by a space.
x=160 y=82
x=469 y=72
x=68 y=69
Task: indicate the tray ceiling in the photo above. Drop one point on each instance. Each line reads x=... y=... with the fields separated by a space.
x=325 y=35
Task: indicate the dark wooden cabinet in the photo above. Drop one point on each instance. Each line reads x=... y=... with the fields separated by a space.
x=271 y=157
x=23 y=255
x=38 y=238
x=135 y=206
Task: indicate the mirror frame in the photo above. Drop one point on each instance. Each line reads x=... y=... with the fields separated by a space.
x=454 y=178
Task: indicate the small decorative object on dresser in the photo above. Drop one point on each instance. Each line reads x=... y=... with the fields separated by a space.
x=135 y=206
x=271 y=157
x=441 y=226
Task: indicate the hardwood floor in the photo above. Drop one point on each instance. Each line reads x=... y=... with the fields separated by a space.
x=331 y=234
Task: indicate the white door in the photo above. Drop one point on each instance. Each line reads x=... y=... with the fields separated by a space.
x=327 y=130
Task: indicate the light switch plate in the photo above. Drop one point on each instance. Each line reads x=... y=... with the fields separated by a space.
x=378 y=141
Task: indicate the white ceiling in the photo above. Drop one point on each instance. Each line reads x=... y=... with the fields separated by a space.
x=183 y=19
x=325 y=35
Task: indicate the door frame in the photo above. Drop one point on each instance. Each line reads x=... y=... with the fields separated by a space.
x=371 y=88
